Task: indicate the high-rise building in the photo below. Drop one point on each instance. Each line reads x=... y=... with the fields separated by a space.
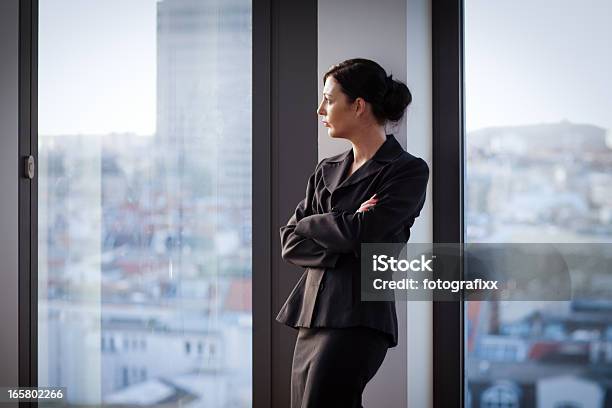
x=204 y=111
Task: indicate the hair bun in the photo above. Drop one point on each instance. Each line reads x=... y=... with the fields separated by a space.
x=397 y=98
x=389 y=82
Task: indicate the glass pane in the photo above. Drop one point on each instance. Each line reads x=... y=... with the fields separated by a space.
x=539 y=170
x=145 y=202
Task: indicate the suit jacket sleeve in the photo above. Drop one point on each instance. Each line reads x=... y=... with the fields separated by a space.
x=298 y=249
x=401 y=199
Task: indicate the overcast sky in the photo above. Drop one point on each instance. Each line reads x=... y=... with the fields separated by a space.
x=538 y=61
x=526 y=62
x=97 y=66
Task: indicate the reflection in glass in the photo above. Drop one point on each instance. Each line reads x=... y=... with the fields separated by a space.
x=539 y=169
x=145 y=202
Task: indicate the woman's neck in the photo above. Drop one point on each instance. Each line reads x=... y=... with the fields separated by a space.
x=366 y=144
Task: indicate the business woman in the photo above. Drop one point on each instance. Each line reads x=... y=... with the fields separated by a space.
x=371 y=193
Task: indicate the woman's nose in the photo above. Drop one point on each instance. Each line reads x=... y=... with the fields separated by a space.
x=320 y=110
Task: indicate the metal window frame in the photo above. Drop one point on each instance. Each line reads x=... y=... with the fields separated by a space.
x=261 y=171
x=294 y=100
x=28 y=196
x=448 y=176
x=284 y=154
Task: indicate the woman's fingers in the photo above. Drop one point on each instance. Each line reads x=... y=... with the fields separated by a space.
x=364 y=208
x=370 y=201
x=366 y=205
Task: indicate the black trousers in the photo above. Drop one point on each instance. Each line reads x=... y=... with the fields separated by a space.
x=331 y=367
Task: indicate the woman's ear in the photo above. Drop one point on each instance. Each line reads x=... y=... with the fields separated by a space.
x=360 y=107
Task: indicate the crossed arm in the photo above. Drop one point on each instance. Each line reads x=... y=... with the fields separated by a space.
x=299 y=250
x=317 y=240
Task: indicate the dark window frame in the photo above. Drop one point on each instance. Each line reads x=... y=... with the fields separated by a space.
x=448 y=176
x=283 y=108
x=28 y=195
x=261 y=168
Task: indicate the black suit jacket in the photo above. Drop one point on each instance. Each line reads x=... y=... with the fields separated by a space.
x=325 y=233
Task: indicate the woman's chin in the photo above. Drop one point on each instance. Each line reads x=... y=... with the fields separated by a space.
x=331 y=133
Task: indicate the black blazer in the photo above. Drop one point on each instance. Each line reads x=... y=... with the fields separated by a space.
x=325 y=233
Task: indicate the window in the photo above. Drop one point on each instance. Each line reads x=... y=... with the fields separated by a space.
x=144 y=199
x=125 y=376
x=501 y=396
x=538 y=165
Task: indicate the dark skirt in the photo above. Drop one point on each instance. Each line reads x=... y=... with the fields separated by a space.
x=331 y=367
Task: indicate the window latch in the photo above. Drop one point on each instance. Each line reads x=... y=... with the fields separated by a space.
x=29 y=167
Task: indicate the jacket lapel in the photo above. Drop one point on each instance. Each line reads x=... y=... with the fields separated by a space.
x=369 y=168
x=333 y=170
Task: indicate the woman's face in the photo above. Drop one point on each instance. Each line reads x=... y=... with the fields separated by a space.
x=337 y=112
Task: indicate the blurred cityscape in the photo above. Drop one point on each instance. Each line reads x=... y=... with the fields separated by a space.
x=544 y=183
x=145 y=240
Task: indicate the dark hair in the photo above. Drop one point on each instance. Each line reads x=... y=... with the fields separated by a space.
x=360 y=77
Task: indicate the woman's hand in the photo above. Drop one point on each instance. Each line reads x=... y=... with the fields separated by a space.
x=366 y=205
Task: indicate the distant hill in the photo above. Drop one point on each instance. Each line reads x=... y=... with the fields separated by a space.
x=564 y=136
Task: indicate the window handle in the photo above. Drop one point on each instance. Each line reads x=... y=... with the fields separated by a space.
x=29 y=167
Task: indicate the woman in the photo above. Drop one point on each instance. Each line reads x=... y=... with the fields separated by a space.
x=370 y=193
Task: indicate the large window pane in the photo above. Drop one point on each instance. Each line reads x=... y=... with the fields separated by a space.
x=145 y=201
x=539 y=169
